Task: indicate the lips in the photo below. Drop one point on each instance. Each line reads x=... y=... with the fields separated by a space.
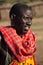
x=26 y=28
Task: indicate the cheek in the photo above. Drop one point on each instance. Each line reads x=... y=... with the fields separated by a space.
x=24 y=20
x=21 y=26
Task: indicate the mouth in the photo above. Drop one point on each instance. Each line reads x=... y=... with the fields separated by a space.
x=25 y=30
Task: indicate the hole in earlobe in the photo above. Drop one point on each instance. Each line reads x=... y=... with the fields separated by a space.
x=13 y=16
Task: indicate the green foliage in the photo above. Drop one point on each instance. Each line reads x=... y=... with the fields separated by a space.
x=14 y=1
x=2 y=1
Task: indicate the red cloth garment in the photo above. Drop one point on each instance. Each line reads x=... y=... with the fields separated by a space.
x=22 y=48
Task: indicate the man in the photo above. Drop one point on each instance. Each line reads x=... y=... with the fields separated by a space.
x=17 y=42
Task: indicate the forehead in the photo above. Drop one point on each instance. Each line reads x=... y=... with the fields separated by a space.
x=27 y=13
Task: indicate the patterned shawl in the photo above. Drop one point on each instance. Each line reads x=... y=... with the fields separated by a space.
x=22 y=48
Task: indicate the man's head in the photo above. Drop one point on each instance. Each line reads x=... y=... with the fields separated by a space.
x=21 y=17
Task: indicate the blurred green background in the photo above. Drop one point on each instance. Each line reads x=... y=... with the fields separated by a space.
x=12 y=1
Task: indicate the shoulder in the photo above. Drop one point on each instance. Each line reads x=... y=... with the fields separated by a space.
x=33 y=34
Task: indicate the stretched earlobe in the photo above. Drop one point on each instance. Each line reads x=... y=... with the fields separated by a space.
x=13 y=16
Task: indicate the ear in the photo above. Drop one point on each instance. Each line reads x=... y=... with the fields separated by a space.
x=13 y=19
x=13 y=16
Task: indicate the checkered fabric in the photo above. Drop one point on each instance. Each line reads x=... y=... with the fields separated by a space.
x=22 y=48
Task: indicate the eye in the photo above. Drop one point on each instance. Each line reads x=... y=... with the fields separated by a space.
x=25 y=18
x=31 y=18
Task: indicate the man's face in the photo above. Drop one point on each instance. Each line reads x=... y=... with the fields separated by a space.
x=26 y=21
x=23 y=23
